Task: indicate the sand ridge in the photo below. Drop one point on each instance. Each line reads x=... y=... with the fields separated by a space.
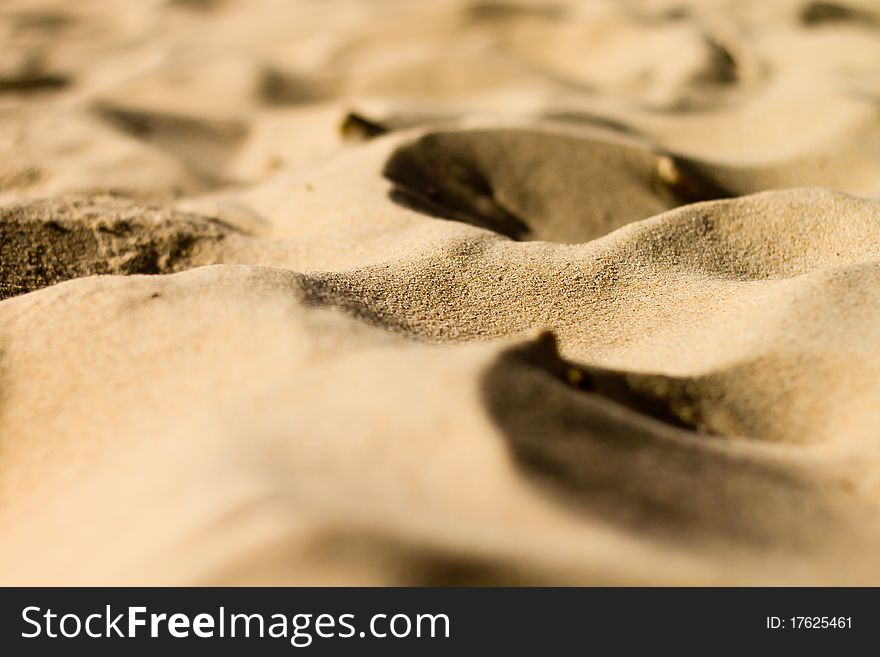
x=439 y=293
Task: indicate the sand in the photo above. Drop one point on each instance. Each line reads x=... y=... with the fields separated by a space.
x=439 y=292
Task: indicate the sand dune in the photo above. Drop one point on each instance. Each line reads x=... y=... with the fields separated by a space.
x=439 y=293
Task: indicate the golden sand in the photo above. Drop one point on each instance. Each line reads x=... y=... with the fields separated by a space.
x=439 y=292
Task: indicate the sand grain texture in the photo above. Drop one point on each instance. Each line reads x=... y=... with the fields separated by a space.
x=439 y=293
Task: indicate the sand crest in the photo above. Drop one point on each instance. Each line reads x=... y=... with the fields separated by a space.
x=439 y=292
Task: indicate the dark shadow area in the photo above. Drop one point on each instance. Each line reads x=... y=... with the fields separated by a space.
x=357 y=127
x=682 y=181
x=25 y=83
x=601 y=442
x=492 y=12
x=42 y=21
x=439 y=183
x=721 y=67
x=436 y=205
x=409 y=563
x=279 y=88
x=388 y=558
x=828 y=13
x=529 y=184
x=198 y=5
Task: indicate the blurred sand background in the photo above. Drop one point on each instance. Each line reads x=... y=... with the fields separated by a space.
x=439 y=292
